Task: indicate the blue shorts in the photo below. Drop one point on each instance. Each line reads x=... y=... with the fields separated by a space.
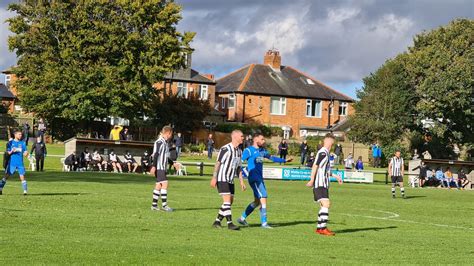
x=259 y=190
x=12 y=168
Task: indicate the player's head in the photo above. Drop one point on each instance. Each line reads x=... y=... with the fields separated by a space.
x=398 y=153
x=146 y=153
x=328 y=140
x=18 y=135
x=38 y=139
x=86 y=149
x=237 y=137
x=167 y=132
x=258 y=139
x=112 y=151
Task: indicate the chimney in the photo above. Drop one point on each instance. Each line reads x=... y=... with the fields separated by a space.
x=273 y=59
x=209 y=76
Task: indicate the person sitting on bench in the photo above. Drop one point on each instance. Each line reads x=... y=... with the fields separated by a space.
x=72 y=162
x=130 y=161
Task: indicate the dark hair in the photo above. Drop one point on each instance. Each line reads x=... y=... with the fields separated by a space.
x=257 y=134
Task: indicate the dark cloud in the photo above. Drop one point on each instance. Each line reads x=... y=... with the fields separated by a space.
x=338 y=42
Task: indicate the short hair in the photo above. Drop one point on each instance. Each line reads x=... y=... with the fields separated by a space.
x=16 y=131
x=235 y=131
x=166 y=129
x=329 y=136
x=257 y=134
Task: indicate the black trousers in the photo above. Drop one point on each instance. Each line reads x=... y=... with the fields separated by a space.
x=39 y=162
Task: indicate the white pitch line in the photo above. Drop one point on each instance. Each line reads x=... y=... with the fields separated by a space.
x=395 y=215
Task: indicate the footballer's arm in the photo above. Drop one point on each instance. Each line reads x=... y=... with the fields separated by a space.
x=313 y=175
x=214 y=175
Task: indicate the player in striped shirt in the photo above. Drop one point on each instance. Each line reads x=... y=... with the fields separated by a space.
x=320 y=174
x=396 y=172
x=228 y=166
x=160 y=161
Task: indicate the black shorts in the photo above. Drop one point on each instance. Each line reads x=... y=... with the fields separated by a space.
x=225 y=188
x=320 y=193
x=160 y=176
x=397 y=179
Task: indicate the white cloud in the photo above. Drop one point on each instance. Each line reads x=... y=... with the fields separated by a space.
x=342 y=14
x=286 y=34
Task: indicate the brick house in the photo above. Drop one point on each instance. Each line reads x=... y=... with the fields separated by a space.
x=188 y=81
x=8 y=93
x=282 y=96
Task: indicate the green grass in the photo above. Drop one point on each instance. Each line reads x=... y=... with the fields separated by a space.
x=97 y=218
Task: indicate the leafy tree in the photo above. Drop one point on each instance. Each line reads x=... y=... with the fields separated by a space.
x=81 y=60
x=441 y=67
x=182 y=113
x=431 y=82
x=385 y=109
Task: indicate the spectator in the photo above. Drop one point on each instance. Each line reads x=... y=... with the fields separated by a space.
x=125 y=135
x=39 y=149
x=248 y=141
x=359 y=166
x=130 y=161
x=178 y=141
x=115 y=132
x=416 y=156
x=210 y=146
x=338 y=152
x=303 y=151
x=423 y=175
x=349 y=162
x=115 y=162
x=71 y=161
x=146 y=162
x=449 y=177
x=283 y=149
x=98 y=161
x=41 y=129
x=376 y=154
x=439 y=177
x=173 y=156
x=462 y=179
x=310 y=161
x=26 y=133
x=86 y=158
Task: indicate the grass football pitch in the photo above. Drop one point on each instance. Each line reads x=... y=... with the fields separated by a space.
x=100 y=218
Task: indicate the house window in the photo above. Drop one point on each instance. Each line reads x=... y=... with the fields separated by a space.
x=231 y=100
x=342 y=108
x=222 y=103
x=7 y=80
x=182 y=89
x=203 y=92
x=313 y=108
x=278 y=106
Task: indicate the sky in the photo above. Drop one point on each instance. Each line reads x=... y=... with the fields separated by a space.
x=337 y=42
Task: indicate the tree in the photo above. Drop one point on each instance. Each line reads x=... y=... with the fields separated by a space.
x=385 y=109
x=81 y=60
x=431 y=84
x=441 y=68
x=180 y=112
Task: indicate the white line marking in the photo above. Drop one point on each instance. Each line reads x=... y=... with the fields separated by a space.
x=393 y=215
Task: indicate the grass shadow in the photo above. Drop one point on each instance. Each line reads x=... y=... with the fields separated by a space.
x=195 y=209
x=354 y=230
x=413 y=197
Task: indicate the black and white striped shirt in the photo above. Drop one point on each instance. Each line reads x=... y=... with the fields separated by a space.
x=397 y=166
x=160 y=154
x=323 y=172
x=230 y=159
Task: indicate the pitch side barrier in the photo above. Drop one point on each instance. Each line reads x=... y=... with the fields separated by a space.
x=297 y=173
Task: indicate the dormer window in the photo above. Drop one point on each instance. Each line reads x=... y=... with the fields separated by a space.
x=310 y=81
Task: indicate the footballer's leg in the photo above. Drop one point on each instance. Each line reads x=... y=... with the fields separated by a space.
x=164 y=196
x=402 y=189
x=156 y=197
x=252 y=206
x=3 y=181
x=323 y=217
x=21 y=172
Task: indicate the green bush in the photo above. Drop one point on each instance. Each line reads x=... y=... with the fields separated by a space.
x=199 y=148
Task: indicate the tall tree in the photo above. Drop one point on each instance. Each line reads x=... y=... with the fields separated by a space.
x=82 y=60
x=385 y=109
x=441 y=67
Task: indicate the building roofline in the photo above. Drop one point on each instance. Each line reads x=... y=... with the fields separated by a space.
x=320 y=83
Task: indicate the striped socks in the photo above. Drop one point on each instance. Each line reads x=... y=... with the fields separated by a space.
x=156 y=197
x=323 y=217
x=225 y=211
x=164 y=197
